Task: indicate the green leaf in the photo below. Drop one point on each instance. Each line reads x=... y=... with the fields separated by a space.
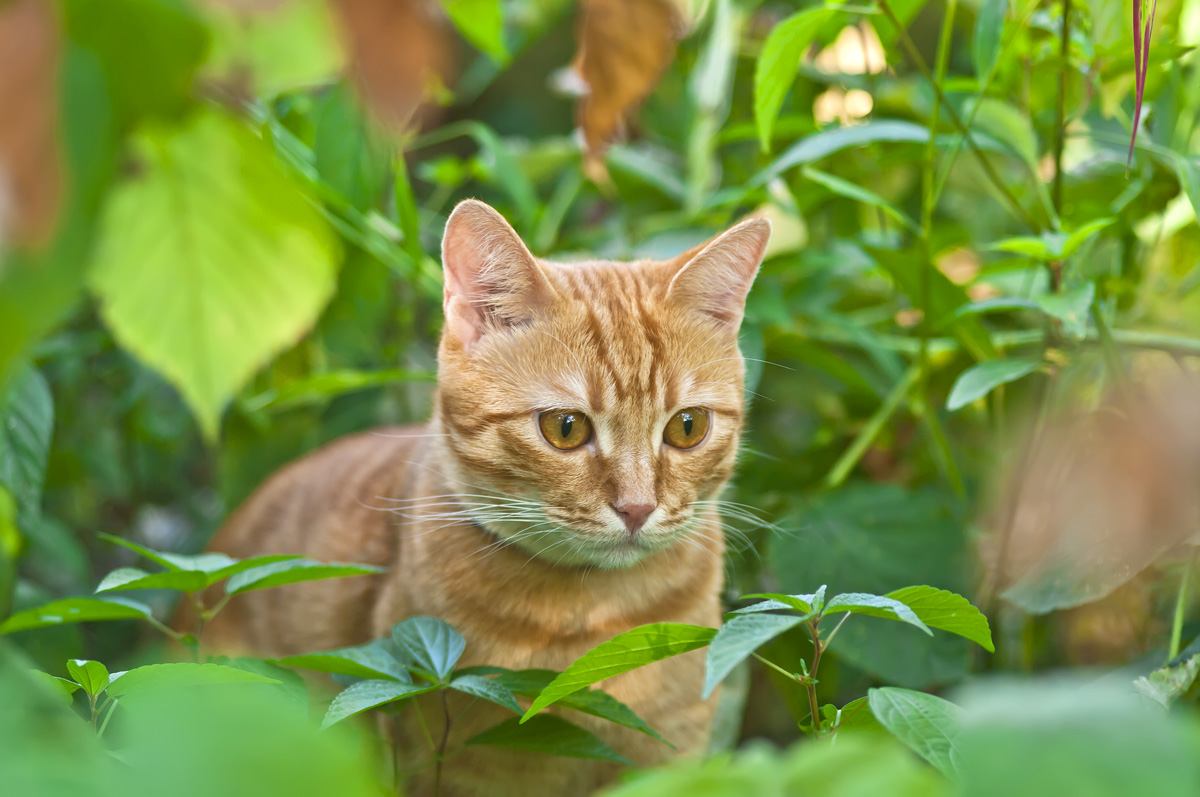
x=177 y=675
x=133 y=578
x=927 y=724
x=635 y=648
x=211 y=209
x=1008 y=125
x=294 y=571
x=321 y=388
x=776 y=68
x=214 y=566
x=548 y=734
x=1026 y=245
x=349 y=155
x=1080 y=236
x=806 y=604
x=875 y=606
x=948 y=611
x=481 y=22
x=979 y=380
x=737 y=639
x=826 y=142
x=1071 y=307
x=74 y=610
x=856 y=716
x=26 y=425
x=1167 y=684
x=366 y=695
x=59 y=686
x=851 y=191
x=433 y=644
x=92 y=676
x=488 y=689
x=365 y=661
x=989 y=27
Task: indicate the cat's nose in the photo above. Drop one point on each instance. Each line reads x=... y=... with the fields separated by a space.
x=634 y=515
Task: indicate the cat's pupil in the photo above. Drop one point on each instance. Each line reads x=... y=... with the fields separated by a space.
x=687 y=424
x=567 y=422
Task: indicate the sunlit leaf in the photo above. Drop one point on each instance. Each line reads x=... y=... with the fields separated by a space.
x=628 y=651
x=947 y=611
x=979 y=380
x=481 y=22
x=549 y=734
x=92 y=676
x=777 y=63
x=210 y=208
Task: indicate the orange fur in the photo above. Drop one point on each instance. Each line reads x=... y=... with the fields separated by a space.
x=517 y=544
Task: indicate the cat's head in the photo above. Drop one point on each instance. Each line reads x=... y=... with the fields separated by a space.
x=589 y=409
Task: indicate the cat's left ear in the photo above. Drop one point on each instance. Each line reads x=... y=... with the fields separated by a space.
x=716 y=280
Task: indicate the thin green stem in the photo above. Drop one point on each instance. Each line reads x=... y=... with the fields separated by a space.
x=870 y=431
x=1180 y=609
x=166 y=629
x=791 y=676
x=915 y=56
x=111 y=704
x=1061 y=119
x=836 y=628
x=810 y=683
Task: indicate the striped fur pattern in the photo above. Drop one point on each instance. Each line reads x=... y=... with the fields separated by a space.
x=484 y=524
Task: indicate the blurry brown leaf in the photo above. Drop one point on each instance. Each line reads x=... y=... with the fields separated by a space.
x=624 y=47
x=30 y=174
x=399 y=51
x=1094 y=501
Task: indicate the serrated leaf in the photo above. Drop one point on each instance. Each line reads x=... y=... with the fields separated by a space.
x=366 y=695
x=1071 y=307
x=211 y=209
x=948 y=611
x=294 y=571
x=737 y=639
x=981 y=379
x=74 y=610
x=1167 y=684
x=92 y=676
x=177 y=675
x=432 y=644
x=874 y=606
x=487 y=689
x=481 y=22
x=548 y=734
x=26 y=425
x=364 y=661
x=776 y=68
x=773 y=601
x=125 y=578
x=628 y=651
x=985 y=44
x=927 y=724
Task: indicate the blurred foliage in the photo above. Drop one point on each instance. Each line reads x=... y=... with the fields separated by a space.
x=227 y=260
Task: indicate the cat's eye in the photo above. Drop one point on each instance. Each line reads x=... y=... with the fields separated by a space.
x=565 y=429
x=686 y=427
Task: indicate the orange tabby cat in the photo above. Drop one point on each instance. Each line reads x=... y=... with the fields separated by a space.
x=587 y=415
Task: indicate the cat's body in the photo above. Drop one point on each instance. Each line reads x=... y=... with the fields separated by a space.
x=535 y=546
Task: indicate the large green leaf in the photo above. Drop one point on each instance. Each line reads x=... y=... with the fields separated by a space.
x=548 y=734
x=874 y=606
x=431 y=644
x=92 y=676
x=481 y=22
x=126 y=578
x=777 y=64
x=948 y=611
x=739 y=637
x=365 y=661
x=877 y=538
x=628 y=651
x=26 y=424
x=927 y=724
x=210 y=260
x=176 y=675
x=366 y=695
x=982 y=378
x=74 y=610
x=294 y=571
x=487 y=689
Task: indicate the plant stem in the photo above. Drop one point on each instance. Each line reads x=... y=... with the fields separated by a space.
x=875 y=424
x=915 y=56
x=836 y=628
x=1061 y=124
x=441 y=753
x=1180 y=607
x=789 y=675
x=810 y=683
x=112 y=705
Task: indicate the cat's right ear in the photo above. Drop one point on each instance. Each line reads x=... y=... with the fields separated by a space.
x=491 y=279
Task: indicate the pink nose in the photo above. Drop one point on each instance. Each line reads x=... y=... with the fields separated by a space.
x=634 y=515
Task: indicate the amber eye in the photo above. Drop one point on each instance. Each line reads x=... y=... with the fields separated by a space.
x=686 y=427
x=565 y=429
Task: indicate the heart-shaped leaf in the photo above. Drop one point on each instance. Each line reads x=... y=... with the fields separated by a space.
x=92 y=676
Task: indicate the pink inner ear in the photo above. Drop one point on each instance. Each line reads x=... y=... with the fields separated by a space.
x=716 y=281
